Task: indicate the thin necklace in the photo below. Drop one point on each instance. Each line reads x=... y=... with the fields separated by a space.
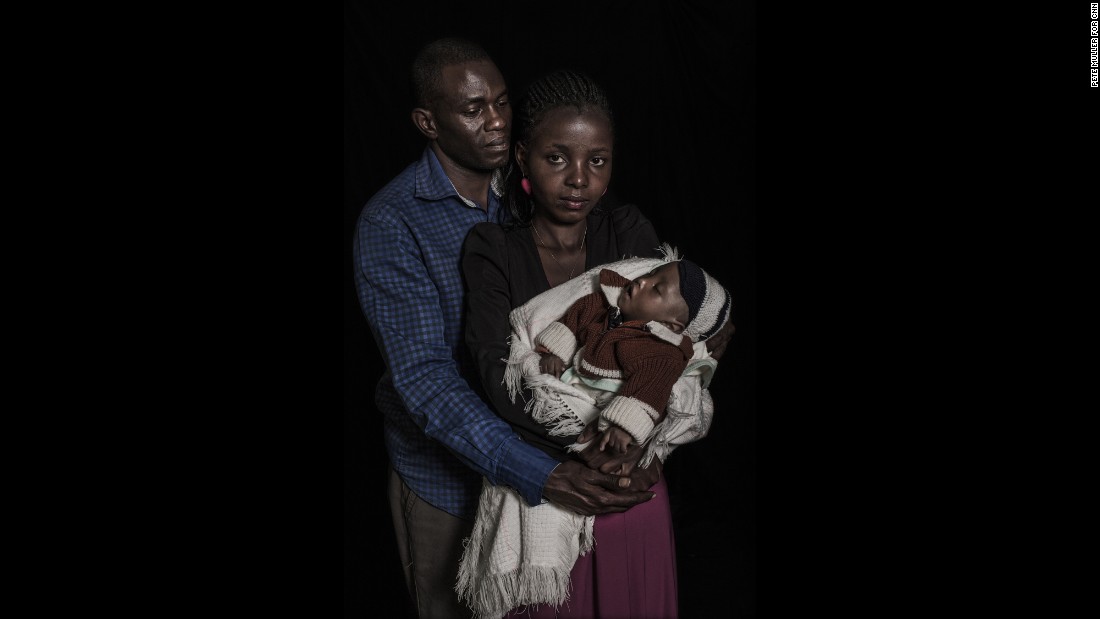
x=555 y=258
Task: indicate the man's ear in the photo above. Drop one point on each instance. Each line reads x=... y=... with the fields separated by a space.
x=675 y=325
x=424 y=122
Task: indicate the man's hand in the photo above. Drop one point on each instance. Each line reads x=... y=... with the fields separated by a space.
x=589 y=492
x=716 y=344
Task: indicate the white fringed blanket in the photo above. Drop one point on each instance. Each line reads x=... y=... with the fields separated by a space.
x=518 y=554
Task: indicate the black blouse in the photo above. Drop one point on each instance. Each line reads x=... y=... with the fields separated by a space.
x=502 y=270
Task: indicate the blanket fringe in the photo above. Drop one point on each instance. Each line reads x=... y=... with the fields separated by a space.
x=500 y=593
x=519 y=355
x=547 y=407
x=529 y=577
x=669 y=253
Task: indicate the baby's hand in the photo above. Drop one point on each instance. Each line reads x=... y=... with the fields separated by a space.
x=619 y=439
x=549 y=363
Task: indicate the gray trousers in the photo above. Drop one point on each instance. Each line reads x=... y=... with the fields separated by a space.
x=429 y=542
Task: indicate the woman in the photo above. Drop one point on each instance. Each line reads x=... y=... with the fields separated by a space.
x=557 y=230
x=564 y=136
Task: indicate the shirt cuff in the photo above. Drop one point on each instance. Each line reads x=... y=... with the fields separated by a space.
x=525 y=468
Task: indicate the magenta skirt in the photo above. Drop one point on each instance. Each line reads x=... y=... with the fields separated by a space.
x=630 y=574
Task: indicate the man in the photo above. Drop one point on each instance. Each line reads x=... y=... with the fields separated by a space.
x=440 y=435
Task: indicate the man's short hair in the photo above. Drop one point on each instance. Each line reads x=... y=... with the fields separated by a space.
x=427 y=68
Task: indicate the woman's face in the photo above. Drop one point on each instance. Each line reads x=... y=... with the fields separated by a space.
x=568 y=161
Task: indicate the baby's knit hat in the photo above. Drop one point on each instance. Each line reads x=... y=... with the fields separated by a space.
x=708 y=302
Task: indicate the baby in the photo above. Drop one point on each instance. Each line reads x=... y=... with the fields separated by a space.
x=640 y=332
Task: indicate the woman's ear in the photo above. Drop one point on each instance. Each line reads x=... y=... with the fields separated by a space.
x=521 y=157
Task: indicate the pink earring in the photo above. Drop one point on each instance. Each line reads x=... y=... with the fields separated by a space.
x=526 y=184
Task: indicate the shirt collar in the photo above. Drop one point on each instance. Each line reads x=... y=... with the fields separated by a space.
x=432 y=182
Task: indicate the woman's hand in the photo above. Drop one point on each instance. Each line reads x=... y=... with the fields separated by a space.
x=624 y=464
x=716 y=344
x=578 y=488
x=606 y=461
x=645 y=478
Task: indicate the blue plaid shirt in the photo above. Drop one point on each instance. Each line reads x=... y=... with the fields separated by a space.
x=441 y=437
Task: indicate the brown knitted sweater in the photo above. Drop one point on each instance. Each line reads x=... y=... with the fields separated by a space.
x=647 y=357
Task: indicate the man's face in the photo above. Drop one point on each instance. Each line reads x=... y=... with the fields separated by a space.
x=473 y=118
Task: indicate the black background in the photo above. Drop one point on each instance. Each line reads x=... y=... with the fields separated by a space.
x=923 y=177
x=682 y=81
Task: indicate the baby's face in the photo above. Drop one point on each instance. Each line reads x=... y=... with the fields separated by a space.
x=656 y=296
